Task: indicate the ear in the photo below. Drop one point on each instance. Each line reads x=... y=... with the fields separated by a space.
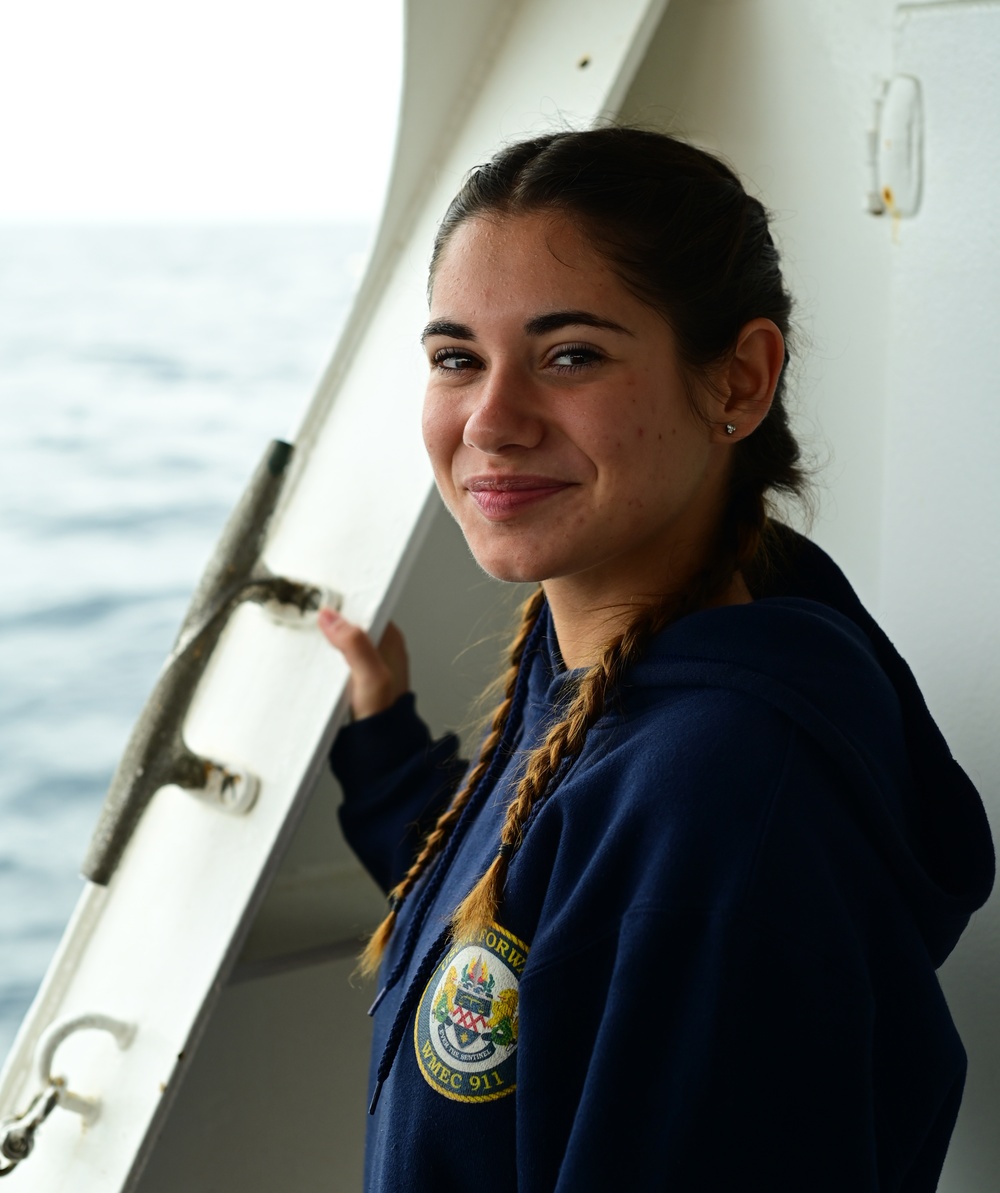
x=745 y=384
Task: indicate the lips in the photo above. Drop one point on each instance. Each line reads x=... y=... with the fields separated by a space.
x=502 y=497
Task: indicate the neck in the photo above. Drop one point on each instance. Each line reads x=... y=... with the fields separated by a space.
x=585 y=621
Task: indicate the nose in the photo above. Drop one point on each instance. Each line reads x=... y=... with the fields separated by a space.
x=506 y=412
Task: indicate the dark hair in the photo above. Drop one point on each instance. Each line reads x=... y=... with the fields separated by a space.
x=682 y=234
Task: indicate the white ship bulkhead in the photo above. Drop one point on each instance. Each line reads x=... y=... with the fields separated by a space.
x=870 y=130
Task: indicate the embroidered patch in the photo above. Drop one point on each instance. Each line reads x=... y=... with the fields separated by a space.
x=466 y=1029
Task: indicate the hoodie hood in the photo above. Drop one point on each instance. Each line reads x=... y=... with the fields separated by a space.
x=808 y=647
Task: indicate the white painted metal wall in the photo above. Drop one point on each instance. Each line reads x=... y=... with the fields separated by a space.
x=899 y=318
x=940 y=533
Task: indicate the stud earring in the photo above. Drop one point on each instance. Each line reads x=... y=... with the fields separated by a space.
x=730 y=428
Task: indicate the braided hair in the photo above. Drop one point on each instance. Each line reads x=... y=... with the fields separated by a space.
x=681 y=233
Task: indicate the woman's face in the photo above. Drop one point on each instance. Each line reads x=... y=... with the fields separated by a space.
x=557 y=421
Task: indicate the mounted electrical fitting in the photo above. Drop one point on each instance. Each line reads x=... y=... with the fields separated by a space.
x=896 y=149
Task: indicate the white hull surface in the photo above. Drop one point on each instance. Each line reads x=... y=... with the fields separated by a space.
x=154 y=948
x=201 y=939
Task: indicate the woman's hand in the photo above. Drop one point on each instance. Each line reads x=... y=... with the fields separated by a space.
x=379 y=674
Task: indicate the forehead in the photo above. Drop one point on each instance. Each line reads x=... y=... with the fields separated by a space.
x=529 y=262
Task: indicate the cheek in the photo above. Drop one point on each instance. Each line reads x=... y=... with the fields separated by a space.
x=439 y=432
x=618 y=429
x=433 y=425
x=612 y=445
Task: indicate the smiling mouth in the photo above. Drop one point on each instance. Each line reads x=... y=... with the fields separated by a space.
x=499 y=498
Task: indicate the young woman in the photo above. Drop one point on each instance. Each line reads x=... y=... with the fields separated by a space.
x=677 y=926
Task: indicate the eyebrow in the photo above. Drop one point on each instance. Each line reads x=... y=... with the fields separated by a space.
x=540 y=325
x=445 y=327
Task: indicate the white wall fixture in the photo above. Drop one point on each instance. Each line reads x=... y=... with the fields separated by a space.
x=17 y=1134
x=899 y=149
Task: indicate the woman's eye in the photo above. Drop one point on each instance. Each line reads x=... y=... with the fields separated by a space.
x=454 y=360
x=575 y=357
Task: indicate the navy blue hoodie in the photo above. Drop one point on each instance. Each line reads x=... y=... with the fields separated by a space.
x=713 y=968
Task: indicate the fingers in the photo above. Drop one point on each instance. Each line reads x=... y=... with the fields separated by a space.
x=392 y=648
x=378 y=675
x=350 y=639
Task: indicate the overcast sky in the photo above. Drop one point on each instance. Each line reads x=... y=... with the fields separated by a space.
x=141 y=110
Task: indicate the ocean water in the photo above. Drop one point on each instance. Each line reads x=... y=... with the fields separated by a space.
x=142 y=371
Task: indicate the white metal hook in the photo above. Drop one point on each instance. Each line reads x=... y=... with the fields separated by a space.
x=53 y=1036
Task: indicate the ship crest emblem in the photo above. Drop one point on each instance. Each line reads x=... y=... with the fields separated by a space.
x=466 y=1029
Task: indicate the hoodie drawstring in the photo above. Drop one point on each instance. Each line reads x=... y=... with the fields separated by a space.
x=398 y=1029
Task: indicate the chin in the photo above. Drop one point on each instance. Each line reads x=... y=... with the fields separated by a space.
x=506 y=565
x=507 y=571
x=523 y=567
x=519 y=556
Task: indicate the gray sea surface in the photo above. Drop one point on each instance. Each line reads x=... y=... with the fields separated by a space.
x=142 y=371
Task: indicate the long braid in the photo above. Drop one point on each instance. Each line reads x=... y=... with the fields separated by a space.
x=562 y=744
x=374 y=949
